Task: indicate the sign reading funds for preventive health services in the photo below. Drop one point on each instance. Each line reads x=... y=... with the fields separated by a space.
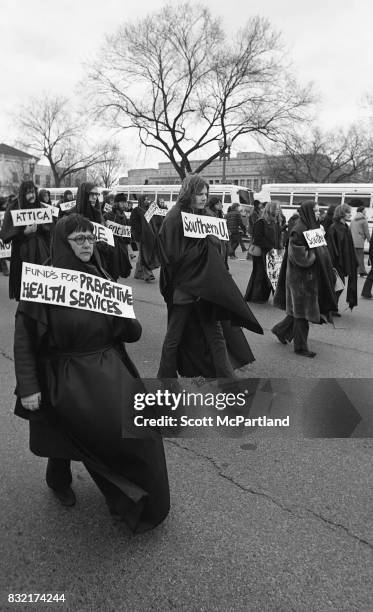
x=123 y=231
x=315 y=237
x=75 y=289
x=196 y=226
x=103 y=234
x=29 y=216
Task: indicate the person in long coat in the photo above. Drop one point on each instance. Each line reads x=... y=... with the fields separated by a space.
x=143 y=235
x=76 y=385
x=205 y=307
x=367 y=287
x=267 y=236
x=360 y=233
x=119 y=262
x=343 y=253
x=30 y=243
x=309 y=284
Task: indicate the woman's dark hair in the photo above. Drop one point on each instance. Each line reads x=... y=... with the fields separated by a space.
x=24 y=187
x=43 y=192
x=77 y=223
x=360 y=209
x=120 y=197
x=256 y=204
x=65 y=194
x=190 y=187
x=341 y=211
x=234 y=206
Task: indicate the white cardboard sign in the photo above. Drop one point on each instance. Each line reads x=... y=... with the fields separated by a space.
x=29 y=216
x=200 y=226
x=103 y=234
x=48 y=285
x=151 y=211
x=315 y=237
x=273 y=263
x=55 y=210
x=64 y=206
x=123 y=231
x=108 y=208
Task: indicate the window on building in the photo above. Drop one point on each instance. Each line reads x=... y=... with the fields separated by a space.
x=235 y=182
x=211 y=181
x=47 y=180
x=37 y=179
x=256 y=184
x=217 y=181
x=249 y=183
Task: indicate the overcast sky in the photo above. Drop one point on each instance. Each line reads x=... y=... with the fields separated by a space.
x=43 y=46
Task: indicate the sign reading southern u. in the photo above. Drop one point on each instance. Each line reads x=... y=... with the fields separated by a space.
x=75 y=289
x=315 y=237
x=196 y=226
x=29 y=216
x=123 y=231
x=103 y=234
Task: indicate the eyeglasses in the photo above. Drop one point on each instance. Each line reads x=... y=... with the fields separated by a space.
x=80 y=240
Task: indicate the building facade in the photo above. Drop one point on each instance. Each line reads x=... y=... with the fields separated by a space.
x=249 y=169
x=17 y=166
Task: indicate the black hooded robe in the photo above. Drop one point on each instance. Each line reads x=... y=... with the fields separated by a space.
x=77 y=359
x=31 y=248
x=195 y=268
x=344 y=259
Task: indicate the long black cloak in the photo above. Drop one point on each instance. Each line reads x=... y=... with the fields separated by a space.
x=343 y=256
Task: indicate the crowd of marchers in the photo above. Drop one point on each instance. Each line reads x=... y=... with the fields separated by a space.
x=74 y=378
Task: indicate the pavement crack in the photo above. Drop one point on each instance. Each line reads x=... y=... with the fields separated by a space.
x=5 y=355
x=301 y=513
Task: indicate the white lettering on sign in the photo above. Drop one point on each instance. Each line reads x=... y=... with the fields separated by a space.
x=315 y=237
x=103 y=234
x=64 y=206
x=29 y=216
x=123 y=231
x=195 y=226
x=74 y=289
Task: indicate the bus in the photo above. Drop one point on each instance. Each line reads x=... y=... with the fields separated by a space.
x=229 y=194
x=290 y=195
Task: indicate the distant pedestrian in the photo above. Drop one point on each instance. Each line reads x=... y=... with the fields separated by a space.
x=367 y=288
x=235 y=225
x=266 y=236
x=343 y=253
x=360 y=233
x=144 y=237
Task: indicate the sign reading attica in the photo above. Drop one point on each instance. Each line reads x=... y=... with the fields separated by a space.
x=196 y=226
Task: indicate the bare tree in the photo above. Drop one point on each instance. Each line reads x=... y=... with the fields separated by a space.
x=329 y=157
x=50 y=129
x=106 y=173
x=184 y=85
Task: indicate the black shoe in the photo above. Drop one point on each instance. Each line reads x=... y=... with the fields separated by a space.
x=65 y=496
x=280 y=338
x=367 y=297
x=305 y=353
x=363 y=274
x=336 y=314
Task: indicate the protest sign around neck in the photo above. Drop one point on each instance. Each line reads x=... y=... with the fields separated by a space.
x=55 y=210
x=315 y=237
x=31 y=216
x=123 y=231
x=103 y=234
x=151 y=211
x=64 y=206
x=108 y=207
x=273 y=264
x=200 y=226
x=74 y=289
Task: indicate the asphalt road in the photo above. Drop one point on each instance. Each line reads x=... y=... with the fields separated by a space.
x=272 y=523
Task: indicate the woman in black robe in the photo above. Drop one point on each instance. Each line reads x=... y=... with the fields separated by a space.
x=76 y=385
x=29 y=244
x=308 y=284
x=343 y=254
x=119 y=261
x=266 y=236
x=205 y=307
x=144 y=237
